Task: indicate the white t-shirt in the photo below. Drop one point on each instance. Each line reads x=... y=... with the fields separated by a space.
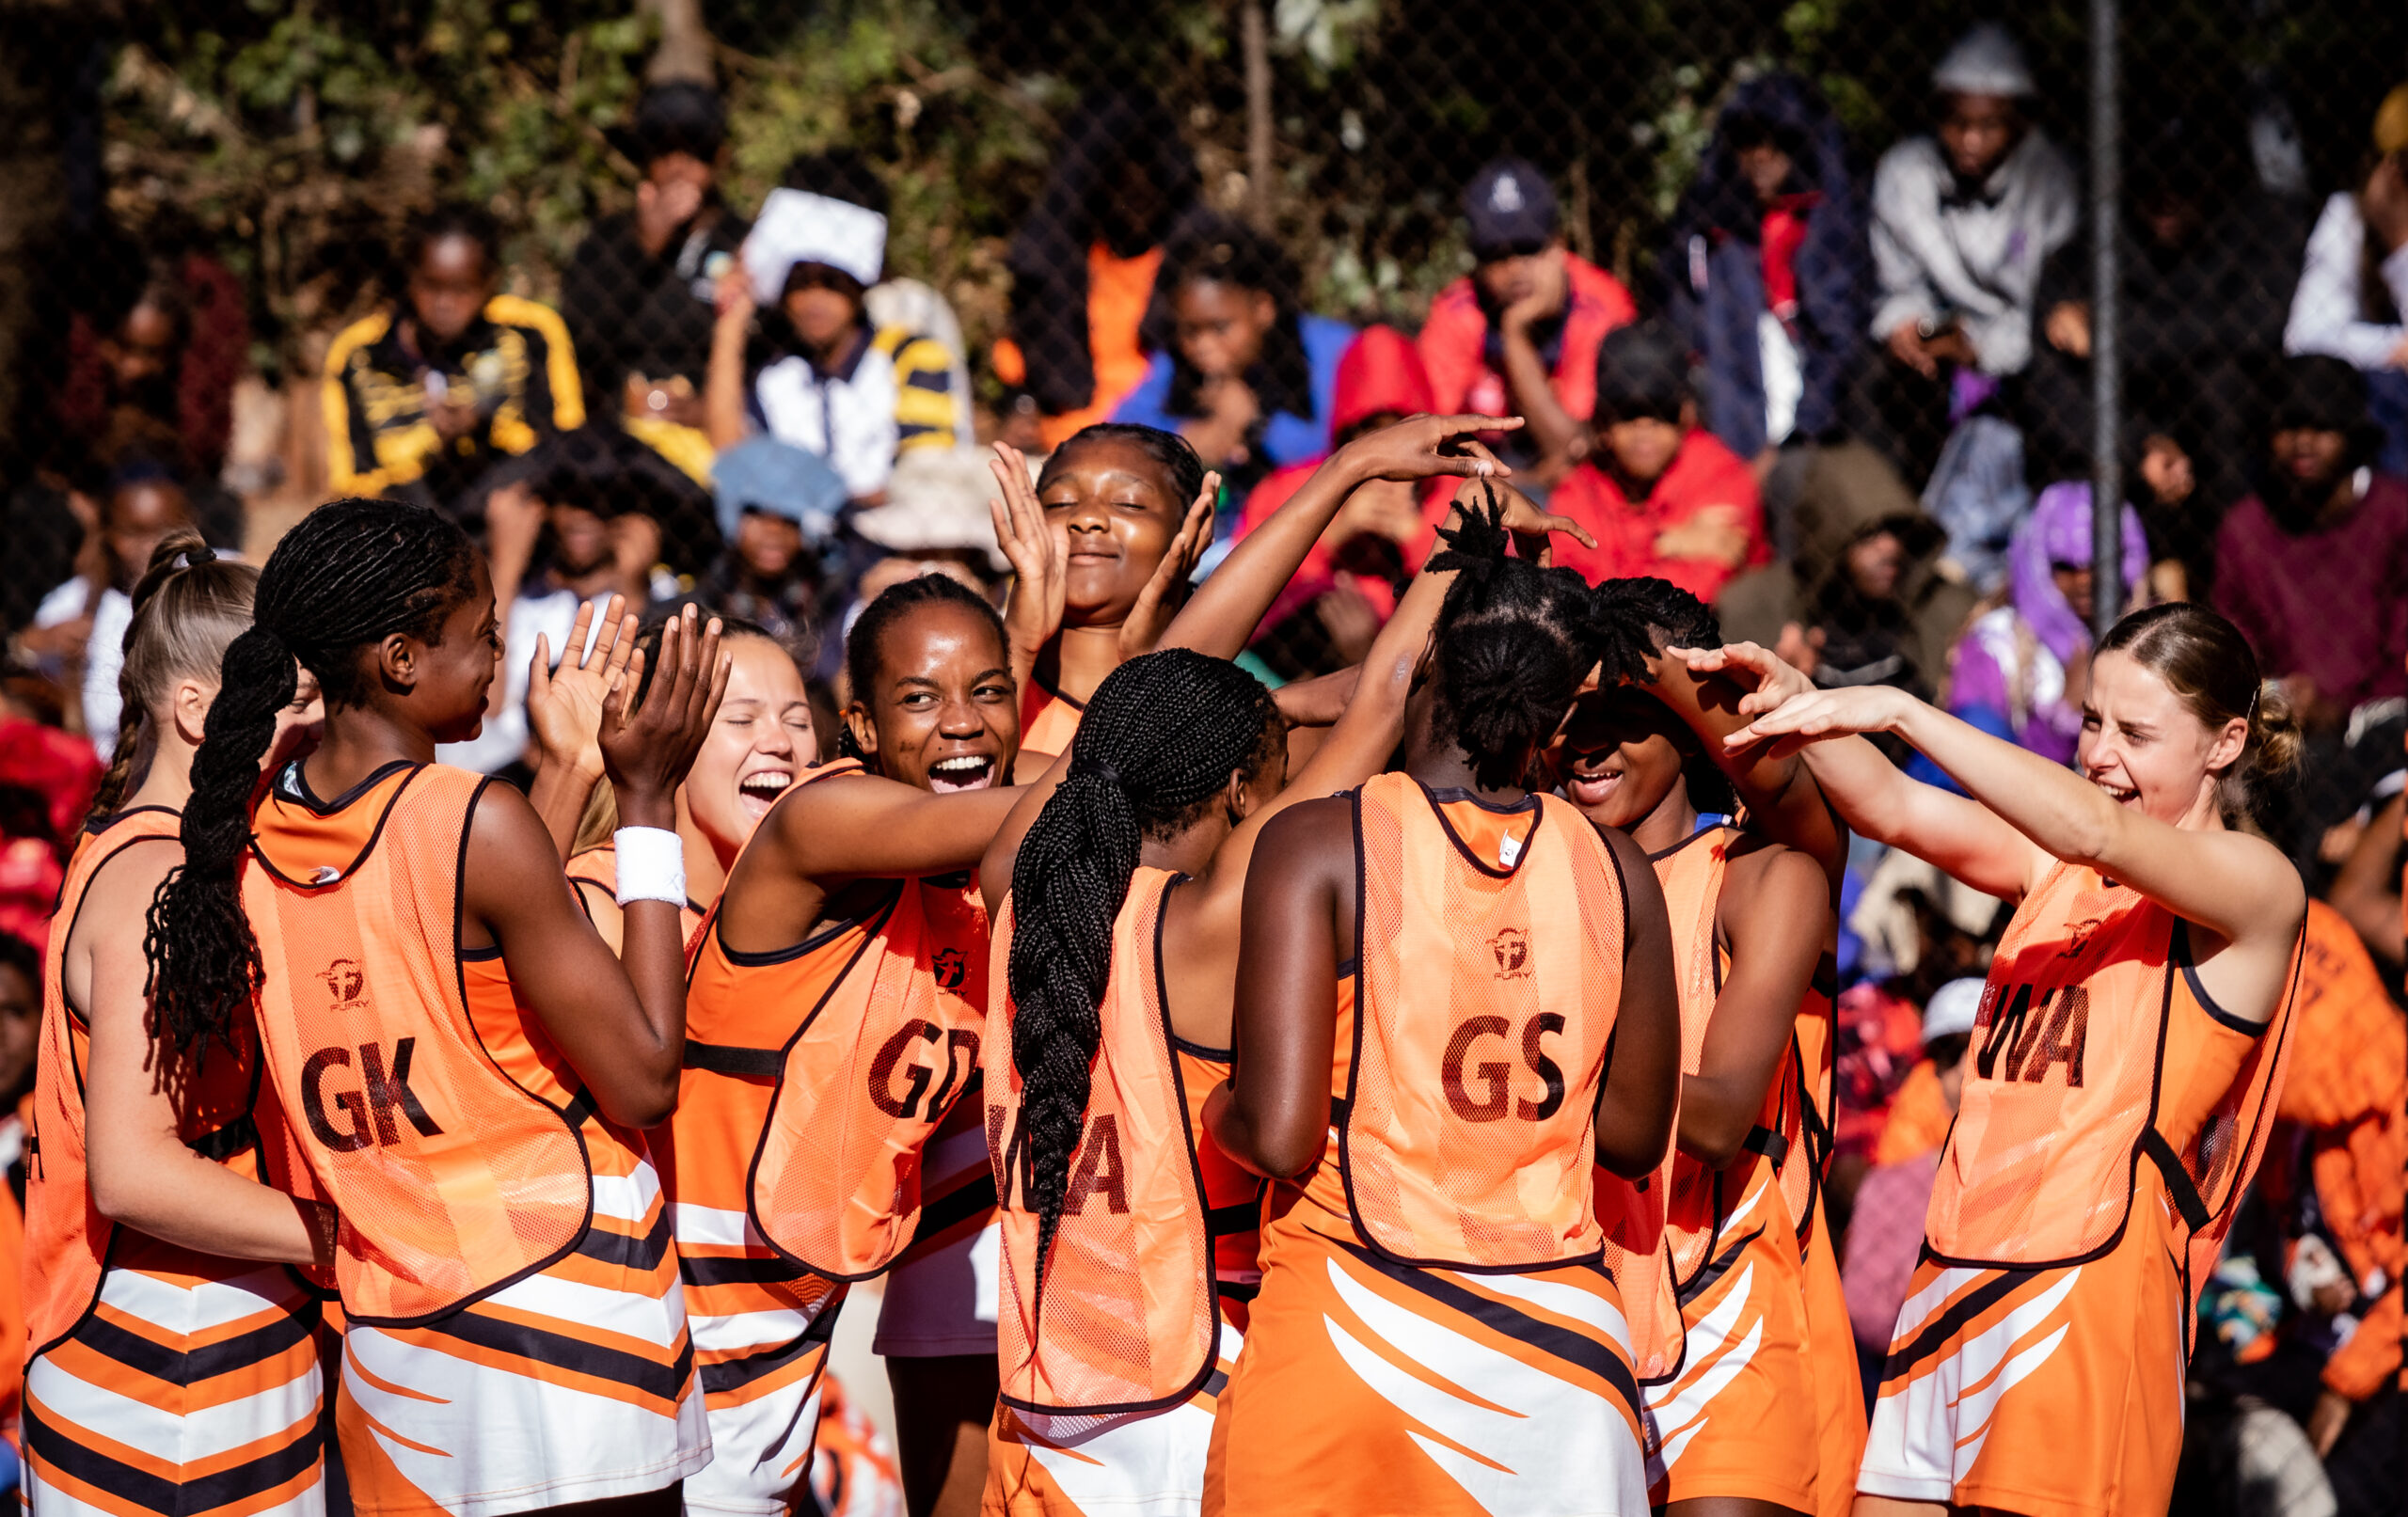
x=848 y=420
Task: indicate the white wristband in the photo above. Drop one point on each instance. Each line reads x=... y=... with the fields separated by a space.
x=652 y=864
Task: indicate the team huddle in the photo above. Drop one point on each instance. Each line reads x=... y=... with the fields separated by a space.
x=1406 y=1092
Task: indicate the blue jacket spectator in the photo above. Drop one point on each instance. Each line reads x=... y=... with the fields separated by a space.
x=1767 y=267
x=1238 y=370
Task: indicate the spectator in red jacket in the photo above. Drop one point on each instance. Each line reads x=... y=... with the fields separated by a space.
x=1518 y=335
x=1662 y=496
x=1345 y=590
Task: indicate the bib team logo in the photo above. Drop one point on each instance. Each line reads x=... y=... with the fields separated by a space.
x=1512 y=950
x=346 y=982
x=950 y=968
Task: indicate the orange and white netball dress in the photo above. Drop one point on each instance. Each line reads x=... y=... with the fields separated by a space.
x=1730 y=1388
x=516 y=1336
x=814 y=1076
x=2112 y=1116
x=1436 y=1332
x=1109 y=1385
x=162 y=1379
x=1831 y=1340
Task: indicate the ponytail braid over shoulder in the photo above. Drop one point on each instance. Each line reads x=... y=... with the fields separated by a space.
x=1159 y=744
x=352 y=573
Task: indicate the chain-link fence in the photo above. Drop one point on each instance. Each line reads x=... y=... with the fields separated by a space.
x=716 y=299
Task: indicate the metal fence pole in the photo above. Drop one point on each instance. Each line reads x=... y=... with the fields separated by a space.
x=2106 y=354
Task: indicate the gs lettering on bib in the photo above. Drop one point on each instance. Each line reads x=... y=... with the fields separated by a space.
x=1485 y=997
x=873 y=1068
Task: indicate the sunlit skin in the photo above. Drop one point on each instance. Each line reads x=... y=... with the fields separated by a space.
x=1113 y=519
x=2143 y=747
x=760 y=740
x=1221 y=327
x=139 y=518
x=1621 y=762
x=449 y=285
x=1978 y=132
x=458 y=667
x=943 y=715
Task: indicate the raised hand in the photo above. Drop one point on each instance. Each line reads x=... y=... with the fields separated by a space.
x=1034 y=611
x=1803 y=719
x=1414 y=448
x=564 y=706
x=647 y=751
x=1757 y=669
x=1160 y=600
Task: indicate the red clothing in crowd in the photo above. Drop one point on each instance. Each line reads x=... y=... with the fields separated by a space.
x=1380 y=375
x=1463 y=372
x=1704 y=475
x=2325 y=603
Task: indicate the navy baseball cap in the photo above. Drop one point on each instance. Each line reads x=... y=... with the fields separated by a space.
x=1511 y=207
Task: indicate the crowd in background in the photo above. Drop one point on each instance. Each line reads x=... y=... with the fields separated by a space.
x=1852 y=412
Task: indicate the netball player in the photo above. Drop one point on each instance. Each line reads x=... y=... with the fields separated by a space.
x=137 y=1389
x=2124 y=1059
x=1731 y=1406
x=465 y=1064
x=1431 y=1098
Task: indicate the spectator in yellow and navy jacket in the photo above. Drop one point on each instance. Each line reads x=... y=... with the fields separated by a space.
x=440 y=397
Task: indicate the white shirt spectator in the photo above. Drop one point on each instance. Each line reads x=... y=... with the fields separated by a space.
x=848 y=418
x=103 y=655
x=2329 y=308
x=1938 y=255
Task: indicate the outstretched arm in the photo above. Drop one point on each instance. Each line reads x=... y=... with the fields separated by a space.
x=1968 y=840
x=2237 y=886
x=1225 y=611
x=1777 y=789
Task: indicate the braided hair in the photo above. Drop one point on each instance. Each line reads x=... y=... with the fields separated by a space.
x=354 y=572
x=1514 y=643
x=1633 y=621
x=1157 y=746
x=187 y=607
x=866 y=644
x=1176 y=455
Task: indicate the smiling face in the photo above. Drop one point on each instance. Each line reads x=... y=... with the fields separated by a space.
x=1112 y=509
x=943 y=713
x=452 y=674
x=2142 y=744
x=760 y=740
x=1621 y=757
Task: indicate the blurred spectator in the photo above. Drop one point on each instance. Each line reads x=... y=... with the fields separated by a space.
x=1766 y=271
x=1885 y=1228
x=1345 y=590
x=2367 y=890
x=936 y=512
x=2354 y=286
x=1518 y=335
x=2207 y=259
x=1083 y=263
x=1661 y=496
x=1963 y=222
x=438 y=397
x=2024 y=667
x=2311 y=568
x=78 y=634
x=777 y=504
x=20 y=1037
x=1863 y=602
x=817 y=376
x=1239 y=370
x=47 y=781
x=639 y=294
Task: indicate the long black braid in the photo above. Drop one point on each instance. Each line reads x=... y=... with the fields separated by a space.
x=352 y=573
x=1634 y=621
x=865 y=645
x=1157 y=746
x=1514 y=641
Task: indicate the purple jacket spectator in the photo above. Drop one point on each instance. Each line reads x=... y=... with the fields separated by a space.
x=2022 y=664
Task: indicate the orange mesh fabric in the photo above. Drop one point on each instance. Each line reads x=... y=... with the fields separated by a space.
x=66 y=1235
x=1486 y=995
x=1127 y=1319
x=452 y=1179
x=873 y=1068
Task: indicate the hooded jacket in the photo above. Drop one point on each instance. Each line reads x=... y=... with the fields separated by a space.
x=1714 y=272
x=1848 y=492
